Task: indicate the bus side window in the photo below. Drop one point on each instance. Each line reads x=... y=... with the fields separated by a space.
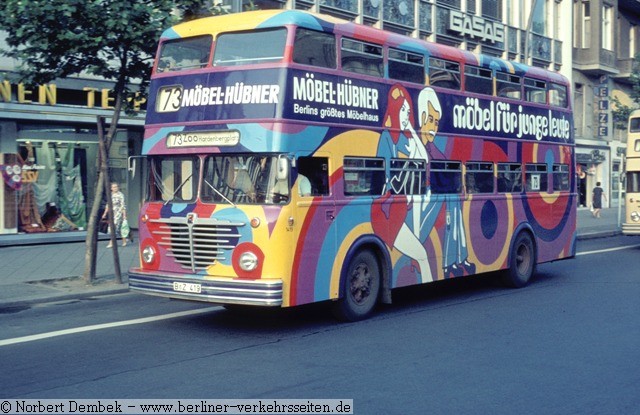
x=558 y=95
x=445 y=176
x=363 y=58
x=508 y=86
x=444 y=74
x=406 y=66
x=535 y=91
x=509 y=178
x=315 y=48
x=536 y=177
x=478 y=80
x=479 y=177
x=363 y=176
x=316 y=170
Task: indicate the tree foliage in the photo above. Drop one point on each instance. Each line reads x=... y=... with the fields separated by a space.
x=111 y=39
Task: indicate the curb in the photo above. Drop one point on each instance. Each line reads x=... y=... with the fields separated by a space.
x=78 y=295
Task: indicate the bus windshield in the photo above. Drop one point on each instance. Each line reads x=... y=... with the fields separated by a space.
x=242 y=48
x=245 y=179
x=184 y=54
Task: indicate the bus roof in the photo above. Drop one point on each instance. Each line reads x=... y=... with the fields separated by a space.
x=263 y=19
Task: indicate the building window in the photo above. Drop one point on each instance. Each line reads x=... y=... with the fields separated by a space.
x=633 y=31
x=607 y=27
x=492 y=9
x=585 y=32
x=539 y=24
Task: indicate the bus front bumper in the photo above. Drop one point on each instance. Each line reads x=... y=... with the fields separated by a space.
x=267 y=292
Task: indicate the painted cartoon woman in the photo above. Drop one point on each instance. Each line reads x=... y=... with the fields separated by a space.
x=388 y=216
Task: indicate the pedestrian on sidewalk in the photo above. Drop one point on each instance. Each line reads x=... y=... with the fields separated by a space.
x=598 y=195
x=119 y=214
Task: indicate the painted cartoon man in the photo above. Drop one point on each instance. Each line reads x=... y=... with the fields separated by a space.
x=455 y=252
x=399 y=140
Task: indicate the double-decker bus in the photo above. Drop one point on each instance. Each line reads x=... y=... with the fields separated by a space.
x=296 y=158
x=631 y=224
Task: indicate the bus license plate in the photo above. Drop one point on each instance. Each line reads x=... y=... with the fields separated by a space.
x=187 y=287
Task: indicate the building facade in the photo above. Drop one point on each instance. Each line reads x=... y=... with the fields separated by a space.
x=48 y=154
x=605 y=43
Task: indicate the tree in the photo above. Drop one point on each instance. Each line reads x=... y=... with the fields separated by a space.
x=621 y=112
x=113 y=39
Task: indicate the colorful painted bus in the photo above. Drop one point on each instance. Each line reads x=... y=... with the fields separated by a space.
x=631 y=224
x=295 y=158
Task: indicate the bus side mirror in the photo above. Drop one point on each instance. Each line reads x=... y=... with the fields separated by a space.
x=283 y=169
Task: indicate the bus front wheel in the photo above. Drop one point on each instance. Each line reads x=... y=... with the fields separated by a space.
x=522 y=263
x=360 y=288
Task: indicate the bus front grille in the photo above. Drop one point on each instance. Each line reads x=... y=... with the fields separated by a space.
x=196 y=243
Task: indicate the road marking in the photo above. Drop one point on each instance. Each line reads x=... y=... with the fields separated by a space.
x=601 y=251
x=94 y=327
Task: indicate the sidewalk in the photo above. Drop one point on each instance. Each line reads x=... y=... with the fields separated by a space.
x=51 y=272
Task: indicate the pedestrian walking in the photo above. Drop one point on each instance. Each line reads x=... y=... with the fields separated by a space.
x=598 y=195
x=119 y=214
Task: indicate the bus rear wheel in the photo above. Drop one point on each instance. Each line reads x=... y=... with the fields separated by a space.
x=360 y=288
x=522 y=263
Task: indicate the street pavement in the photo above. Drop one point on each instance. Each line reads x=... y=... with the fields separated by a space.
x=51 y=272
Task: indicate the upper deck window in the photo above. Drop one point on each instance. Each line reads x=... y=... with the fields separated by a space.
x=558 y=95
x=634 y=125
x=363 y=58
x=184 y=54
x=508 y=85
x=406 y=66
x=478 y=80
x=247 y=48
x=445 y=74
x=315 y=48
x=535 y=90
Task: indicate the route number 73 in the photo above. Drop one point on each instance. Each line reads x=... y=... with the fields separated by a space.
x=169 y=98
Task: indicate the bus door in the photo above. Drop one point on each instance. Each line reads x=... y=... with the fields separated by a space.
x=315 y=209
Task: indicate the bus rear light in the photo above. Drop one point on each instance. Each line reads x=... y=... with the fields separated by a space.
x=144 y=218
x=255 y=222
x=635 y=216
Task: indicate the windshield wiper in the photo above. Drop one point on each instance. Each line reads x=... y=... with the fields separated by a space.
x=219 y=193
x=173 y=196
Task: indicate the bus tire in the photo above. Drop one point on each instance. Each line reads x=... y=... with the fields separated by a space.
x=522 y=262
x=360 y=287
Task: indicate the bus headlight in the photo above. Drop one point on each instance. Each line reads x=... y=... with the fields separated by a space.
x=248 y=261
x=635 y=216
x=148 y=255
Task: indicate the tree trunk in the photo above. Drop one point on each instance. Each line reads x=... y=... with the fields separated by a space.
x=102 y=182
x=104 y=170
